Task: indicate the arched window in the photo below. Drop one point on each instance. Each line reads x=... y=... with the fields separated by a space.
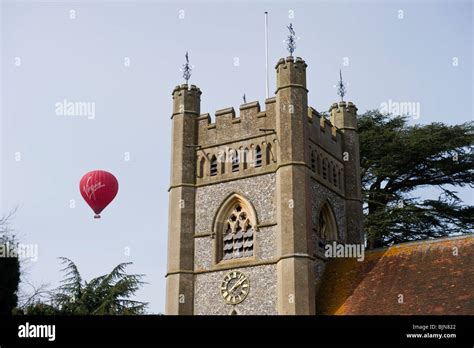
x=327 y=227
x=213 y=169
x=334 y=176
x=234 y=226
x=330 y=171
x=238 y=235
x=268 y=154
x=313 y=161
x=325 y=169
x=235 y=160
x=202 y=162
x=222 y=160
x=319 y=164
x=258 y=156
x=339 y=176
x=246 y=158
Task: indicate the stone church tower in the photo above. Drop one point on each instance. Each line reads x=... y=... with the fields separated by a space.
x=254 y=199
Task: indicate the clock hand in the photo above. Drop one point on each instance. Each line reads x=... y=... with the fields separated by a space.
x=237 y=284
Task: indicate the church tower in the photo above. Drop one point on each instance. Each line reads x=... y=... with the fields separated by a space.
x=254 y=199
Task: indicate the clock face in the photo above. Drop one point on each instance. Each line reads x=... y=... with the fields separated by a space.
x=235 y=287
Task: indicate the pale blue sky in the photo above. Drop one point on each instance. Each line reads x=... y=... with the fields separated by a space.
x=82 y=59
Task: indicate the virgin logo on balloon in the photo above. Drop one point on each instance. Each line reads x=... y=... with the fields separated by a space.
x=98 y=188
x=89 y=189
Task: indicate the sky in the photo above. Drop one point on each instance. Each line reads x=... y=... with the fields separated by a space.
x=123 y=59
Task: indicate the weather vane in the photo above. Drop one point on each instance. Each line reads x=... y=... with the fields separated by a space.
x=245 y=99
x=187 y=70
x=291 y=40
x=341 y=89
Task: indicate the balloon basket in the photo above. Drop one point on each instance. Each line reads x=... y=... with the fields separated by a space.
x=96 y=216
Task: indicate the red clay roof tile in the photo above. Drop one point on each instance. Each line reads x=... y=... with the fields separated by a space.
x=428 y=276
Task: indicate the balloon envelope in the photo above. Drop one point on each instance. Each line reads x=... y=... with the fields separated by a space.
x=98 y=188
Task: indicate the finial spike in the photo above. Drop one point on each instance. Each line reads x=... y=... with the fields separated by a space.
x=187 y=70
x=341 y=88
x=291 y=40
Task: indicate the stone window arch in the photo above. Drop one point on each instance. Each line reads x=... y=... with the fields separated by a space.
x=235 y=160
x=258 y=156
x=223 y=160
x=202 y=163
x=313 y=160
x=327 y=226
x=268 y=154
x=234 y=227
x=340 y=177
x=245 y=158
x=213 y=166
x=330 y=171
x=325 y=169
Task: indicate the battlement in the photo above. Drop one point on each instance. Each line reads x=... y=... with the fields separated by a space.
x=343 y=106
x=230 y=128
x=291 y=61
x=252 y=122
x=324 y=133
x=191 y=89
x=344 y=115
x=291 y=72
x=186 y=100
x=275 y=123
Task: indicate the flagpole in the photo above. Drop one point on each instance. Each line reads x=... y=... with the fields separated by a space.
x=266 y=55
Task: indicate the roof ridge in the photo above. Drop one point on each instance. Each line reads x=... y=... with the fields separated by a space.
x=423 y=242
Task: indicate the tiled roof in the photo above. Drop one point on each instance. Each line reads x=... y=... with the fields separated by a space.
x=427 y=277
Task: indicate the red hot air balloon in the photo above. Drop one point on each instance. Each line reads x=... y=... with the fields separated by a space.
x=98 y=188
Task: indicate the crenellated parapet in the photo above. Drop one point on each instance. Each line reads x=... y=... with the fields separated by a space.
x=291 y=72
x=324 y=134
x=186 y=100
x=325 y=151
x=344 y=115
x=229 y=127
x=253 y=140
x=246 y=143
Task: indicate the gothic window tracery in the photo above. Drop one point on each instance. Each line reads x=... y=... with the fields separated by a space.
x=238 y=236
